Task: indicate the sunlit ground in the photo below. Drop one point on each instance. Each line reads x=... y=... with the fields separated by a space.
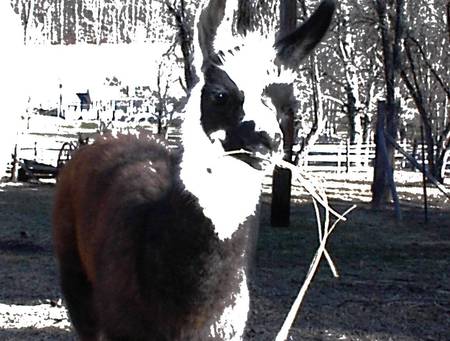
x=355 y=187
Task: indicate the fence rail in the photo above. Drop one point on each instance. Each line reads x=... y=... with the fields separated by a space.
x=337 y=158
x=340 y=158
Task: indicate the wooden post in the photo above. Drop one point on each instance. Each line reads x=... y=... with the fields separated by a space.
x=281 y=198
x=281 y=180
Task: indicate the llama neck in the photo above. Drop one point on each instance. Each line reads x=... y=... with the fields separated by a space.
x=227 y=189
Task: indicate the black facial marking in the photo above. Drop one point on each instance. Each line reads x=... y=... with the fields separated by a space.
x=221 y=102
x=220 y=97
x=222 y=109
x=246 y=137
x=282 y=97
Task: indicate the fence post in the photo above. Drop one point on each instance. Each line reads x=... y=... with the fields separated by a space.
x=281 y=197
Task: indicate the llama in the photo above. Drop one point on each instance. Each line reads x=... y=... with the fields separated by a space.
x=153 y=244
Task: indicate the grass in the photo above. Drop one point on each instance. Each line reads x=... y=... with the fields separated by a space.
x=394 y=281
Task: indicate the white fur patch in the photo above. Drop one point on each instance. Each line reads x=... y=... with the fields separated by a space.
x=231 y=324
x=259 y=72
x=219 y=135
x=261 y=66
x=227 y=189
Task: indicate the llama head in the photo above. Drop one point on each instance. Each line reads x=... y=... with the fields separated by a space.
x=244 y=80
x=244 y=90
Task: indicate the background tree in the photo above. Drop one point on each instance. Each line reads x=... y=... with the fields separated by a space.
x=390 y=25
x=426 y=78
x=313 y=76
x=183 y=21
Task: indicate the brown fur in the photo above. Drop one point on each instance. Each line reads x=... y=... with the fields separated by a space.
x=138 y=259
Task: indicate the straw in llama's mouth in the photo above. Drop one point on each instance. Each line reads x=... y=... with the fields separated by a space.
x=255 y=159
x=256 y=148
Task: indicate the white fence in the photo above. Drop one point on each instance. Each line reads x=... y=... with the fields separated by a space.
x=42 y=140
x=340 y=158
x=337 y=158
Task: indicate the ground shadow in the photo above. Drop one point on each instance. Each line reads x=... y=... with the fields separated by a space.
x=27 y=334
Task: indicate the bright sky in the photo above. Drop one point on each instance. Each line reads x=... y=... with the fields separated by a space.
x=37 y=71
x=88 y=65
x=10 y=91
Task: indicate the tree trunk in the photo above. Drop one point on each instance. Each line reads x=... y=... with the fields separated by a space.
x=351 y=114
x=448 y=19
x=391 y=60
x=352 y=87
x=379 y=194
x=383 y=172
x=185 y=41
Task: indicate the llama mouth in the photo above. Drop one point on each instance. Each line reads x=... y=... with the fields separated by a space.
x=252 y=147
x=254 y=160
x=245 y=143
x=258 y=157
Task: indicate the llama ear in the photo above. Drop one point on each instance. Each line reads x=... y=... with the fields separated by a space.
x=208 y=22
x=295 y=46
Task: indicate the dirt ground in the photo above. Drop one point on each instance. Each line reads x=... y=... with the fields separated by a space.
x=394 y=278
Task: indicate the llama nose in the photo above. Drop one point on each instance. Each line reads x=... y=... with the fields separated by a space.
x=270 y=140
x=276 y=142
x=248 y=125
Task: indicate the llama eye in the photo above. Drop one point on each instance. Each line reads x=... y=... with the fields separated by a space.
x=220 y=97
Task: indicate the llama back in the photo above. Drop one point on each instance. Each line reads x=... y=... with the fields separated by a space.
x=126 y=225
x=94 y=177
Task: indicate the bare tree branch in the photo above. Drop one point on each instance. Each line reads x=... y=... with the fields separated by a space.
x=185 y=40
x=430 y=67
